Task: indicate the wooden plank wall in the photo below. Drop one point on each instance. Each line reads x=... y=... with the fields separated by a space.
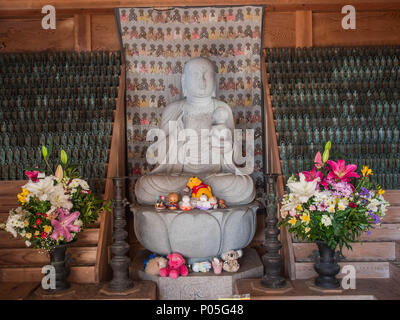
x=90 y=25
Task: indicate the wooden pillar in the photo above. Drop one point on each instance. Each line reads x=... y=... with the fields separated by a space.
x=304 y=28
x=82 y=32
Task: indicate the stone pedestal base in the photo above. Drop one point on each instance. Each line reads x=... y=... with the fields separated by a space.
x=201 y=286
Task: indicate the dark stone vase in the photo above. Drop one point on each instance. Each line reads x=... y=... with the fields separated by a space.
x=327 y=268
x=59 y=260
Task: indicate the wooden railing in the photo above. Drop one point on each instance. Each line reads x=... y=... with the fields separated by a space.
x=273 y=165
x=116 y=167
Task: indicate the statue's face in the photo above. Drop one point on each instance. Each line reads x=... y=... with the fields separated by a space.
x=199 y=78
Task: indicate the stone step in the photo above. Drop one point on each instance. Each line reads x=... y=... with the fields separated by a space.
x=386 y=232
x=89 y=237
x=368 y=251
x=364 y=270
x=78 y=274
x=33 y=257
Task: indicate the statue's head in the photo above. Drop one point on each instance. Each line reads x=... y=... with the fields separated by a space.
x=198 y=79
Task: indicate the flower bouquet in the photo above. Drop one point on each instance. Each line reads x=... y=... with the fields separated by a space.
x=332 y=204
x=53 y=208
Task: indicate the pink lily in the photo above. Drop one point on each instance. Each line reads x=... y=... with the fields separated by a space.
x=313 y=174
x=33 y=175
x=318 y=160
x=64 y=224
x=341 y=171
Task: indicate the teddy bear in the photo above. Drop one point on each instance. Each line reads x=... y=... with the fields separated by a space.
x=199 y=188
x=175 y=267
x=230 y=260
x=154 y=265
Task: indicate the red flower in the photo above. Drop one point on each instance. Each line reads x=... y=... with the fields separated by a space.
x=44 y=215
x=38 y=221
x=34 y=226
x=352 y=205
x=341 y=171
x=38 y=214
x=43 y=235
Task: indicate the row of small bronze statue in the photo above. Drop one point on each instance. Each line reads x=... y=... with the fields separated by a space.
x=368 y=135
x=368 y=150
x=94 y=126
x=63 y=92
x=47 y=72
x=296 y=54
x=65 y=140
x=25 y=103
x=347 y=122
x=73 y=114
x=61 y=58
x=335 y=67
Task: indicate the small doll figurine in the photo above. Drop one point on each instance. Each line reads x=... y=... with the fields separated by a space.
x=159 y=203
x=217 y=265
x=185 y=204
x=173 y=201
x=203 y=203
x=213 y=203
x=221 y=204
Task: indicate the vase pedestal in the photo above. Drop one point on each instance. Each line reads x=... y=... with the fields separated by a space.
x=327 y=268
x=311 y=285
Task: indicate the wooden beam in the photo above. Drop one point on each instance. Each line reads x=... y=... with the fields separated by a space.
x=104 y=4
x=82 y=32
x=304 y=28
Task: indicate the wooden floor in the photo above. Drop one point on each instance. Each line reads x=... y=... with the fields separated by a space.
x=143 y=290
x=366 y=289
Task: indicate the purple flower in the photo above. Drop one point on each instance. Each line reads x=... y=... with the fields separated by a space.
x=368 y=233
x=364 y=192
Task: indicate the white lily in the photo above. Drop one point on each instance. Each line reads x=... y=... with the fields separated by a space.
x=303 y=189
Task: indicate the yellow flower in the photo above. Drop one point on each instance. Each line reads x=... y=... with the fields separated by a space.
x=22 y=196
x=26 y=223
x=366 y=171
x=37 y=233
x=381 y=192
x=305 y=218
x=293 y=221
x=47 y=229
x=307 y=229
x=28 y=235
x=60 y=238
x=299 y=207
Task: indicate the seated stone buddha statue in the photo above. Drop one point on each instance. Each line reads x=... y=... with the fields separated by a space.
x=197 y=140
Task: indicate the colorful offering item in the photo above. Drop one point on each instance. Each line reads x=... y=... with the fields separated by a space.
x=222 y=204
x=173 y=198
x=203 y=203
x=332 y=202
x=185 y=204
x=217 y=265
x=213 y=202
x=159 y=205
x=204 y=266
x=199 y=188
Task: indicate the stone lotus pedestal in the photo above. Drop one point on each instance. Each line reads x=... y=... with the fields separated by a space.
x=197 y=235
